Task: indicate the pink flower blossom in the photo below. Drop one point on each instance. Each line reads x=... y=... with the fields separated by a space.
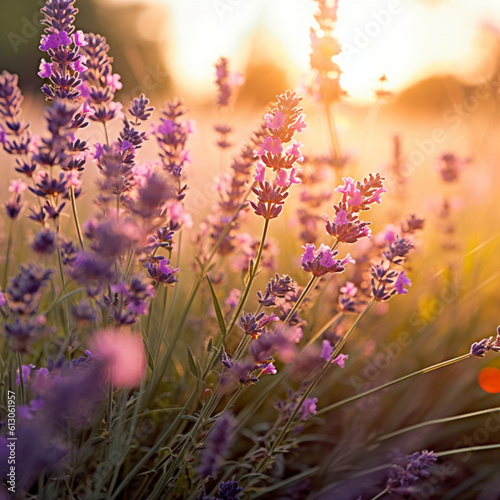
x=45 y=69
x=269 y=369
x=79 y=39
x=260 y=172
x=300 y=124
x=17 y=186
x=233 y=297
x=349 y=289
x=326 y=350
x=176 y=213
x=272 y=145
x=275 y=121
x=293 y=150
x=114 y=81
x=281 y=179
x=341 y=218
x=79 y=64
x=340 y=360
x=293 y=179
x=74 y=179
x=122 y=353
x=402 y=281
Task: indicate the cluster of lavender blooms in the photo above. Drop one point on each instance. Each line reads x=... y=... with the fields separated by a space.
x=449 y=167
x=407 y=471
x=227 y=83
x=278 y=154
x=479 y=349
x=325 y=46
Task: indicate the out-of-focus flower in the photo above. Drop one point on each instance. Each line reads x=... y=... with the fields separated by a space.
x=44 y=242
x=123 y=356
x=217 y=445
x=227 y=82
x=406 y=472
x=172 y=134
x=325 y=46
x=402 y=281
x=450 y=166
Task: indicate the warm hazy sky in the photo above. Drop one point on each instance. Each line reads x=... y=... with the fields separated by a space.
x=404 y=39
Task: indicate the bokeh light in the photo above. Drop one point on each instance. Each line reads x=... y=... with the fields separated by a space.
x=489 y=380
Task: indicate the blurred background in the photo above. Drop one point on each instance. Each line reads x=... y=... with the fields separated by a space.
x=441 y=60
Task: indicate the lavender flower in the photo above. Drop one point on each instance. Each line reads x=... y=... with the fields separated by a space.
x=217 y=445
x=255 y=325
x=322 y=261
x=160 y=270
x=26 y=289
x=44 y=242
x=229 y=490
x=401 y=282
x=227 y=83
x=450 y=166
x=479 y=349
x=279 y=153
x=277 y=287
x=346 y=226
x=14 y=131
x=62 y=45
x=99 y=83
x=325 y=47
x=406 y=472
x=171 y=135
x=231 y=189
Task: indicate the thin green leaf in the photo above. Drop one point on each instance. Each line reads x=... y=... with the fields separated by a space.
x=218 y=312
x=194 y=367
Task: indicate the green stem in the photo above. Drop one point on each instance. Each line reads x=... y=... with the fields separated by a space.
x=312 y=386
x=60 y=298
x=251 y=277
x=469 y=449
x=158 y=444
x=192 y=295
x=393 y=382
x=444 y=420
x=302 y=297
x=10 y=239
x=106 y=133
x=381 y=494
x=75 y=216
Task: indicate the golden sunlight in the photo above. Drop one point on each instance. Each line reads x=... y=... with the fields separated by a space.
x=404 y=39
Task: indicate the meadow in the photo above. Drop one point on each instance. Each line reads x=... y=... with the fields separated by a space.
x=224 y=302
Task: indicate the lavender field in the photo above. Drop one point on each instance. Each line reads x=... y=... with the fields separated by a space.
x=276 y=285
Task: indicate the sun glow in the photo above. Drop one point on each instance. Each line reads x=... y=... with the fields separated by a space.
x=403 y=39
